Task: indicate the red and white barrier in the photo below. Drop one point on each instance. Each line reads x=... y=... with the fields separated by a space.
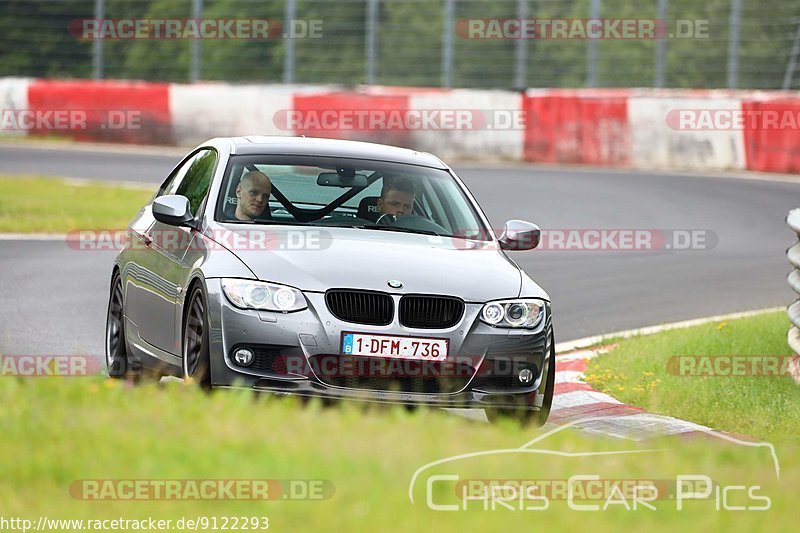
x=13 y=99
x=206 y=110
x=638 y=128
x=773 y=149
x=114 y=111
x=351 y=115
x=491 y=125
x=659 y=142
x=589 y=127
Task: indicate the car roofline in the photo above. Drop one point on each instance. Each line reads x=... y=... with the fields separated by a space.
x=320 y=147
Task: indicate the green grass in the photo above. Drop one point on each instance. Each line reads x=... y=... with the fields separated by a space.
x=59 y=430
x=638 y=372
x=52 y=205
x=6 y=138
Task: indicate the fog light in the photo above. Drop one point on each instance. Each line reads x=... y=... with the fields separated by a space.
x=244 y=357
x=525 y=376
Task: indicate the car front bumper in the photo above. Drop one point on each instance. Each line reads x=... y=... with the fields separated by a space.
x=299 y=353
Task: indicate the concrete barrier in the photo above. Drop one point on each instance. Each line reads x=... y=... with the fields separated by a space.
x=588 y=127
x=13 y=99
x=488 y=124
x=351 y=115
x=638 y=128
x=112 y=111
x=200 y=112
x=665 y=138
x=773 y=148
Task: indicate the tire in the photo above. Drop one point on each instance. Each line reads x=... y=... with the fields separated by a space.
x=528 y=417
x=195 y=348
x=118 y=364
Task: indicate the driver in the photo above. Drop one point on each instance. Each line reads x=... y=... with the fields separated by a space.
x=252 y=195
x=397 y=197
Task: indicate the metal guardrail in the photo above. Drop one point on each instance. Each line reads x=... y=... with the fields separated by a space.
x=793 y=254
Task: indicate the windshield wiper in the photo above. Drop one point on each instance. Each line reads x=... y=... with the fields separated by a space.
x=266 y=222
x=400 y=229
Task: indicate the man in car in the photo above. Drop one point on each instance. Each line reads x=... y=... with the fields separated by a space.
x=252 y=195
x=397 y=197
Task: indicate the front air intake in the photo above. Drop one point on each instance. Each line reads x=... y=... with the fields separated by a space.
x=360 y=307
x=430 y=312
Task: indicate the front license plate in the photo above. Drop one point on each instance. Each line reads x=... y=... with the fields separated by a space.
x=418 y=348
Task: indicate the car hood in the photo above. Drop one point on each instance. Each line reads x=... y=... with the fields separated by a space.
x=317 y=259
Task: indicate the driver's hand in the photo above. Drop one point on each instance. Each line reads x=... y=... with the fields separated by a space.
x=386 y=220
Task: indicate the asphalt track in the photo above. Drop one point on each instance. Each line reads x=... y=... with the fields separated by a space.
x=53 y=298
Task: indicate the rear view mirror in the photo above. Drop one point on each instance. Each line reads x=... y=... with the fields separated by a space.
x=334 y=179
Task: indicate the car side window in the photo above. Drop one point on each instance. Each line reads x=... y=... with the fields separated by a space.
x=197 y=179
x=174 y=181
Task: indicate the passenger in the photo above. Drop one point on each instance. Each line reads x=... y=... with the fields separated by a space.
x=252 y=195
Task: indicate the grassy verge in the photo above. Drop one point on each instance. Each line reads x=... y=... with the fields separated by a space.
x=58 y=431
x=38 y=139
x=52 y=205
x=647 y=372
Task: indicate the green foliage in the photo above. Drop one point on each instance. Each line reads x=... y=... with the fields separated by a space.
x=157 y=60
x=58 y=432
x=410 y=43
x=34 y=41
x=644 y=371
x=51 y=205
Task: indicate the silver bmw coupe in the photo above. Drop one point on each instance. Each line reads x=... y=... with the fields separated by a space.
x=329 y=268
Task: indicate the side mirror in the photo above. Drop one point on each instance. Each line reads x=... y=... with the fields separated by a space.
x=520 y=235
x=172 y=209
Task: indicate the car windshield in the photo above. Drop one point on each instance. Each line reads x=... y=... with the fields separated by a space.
x=354 y=193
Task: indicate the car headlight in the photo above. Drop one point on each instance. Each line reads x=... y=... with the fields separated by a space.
x=247 y=294
x=527 y=313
